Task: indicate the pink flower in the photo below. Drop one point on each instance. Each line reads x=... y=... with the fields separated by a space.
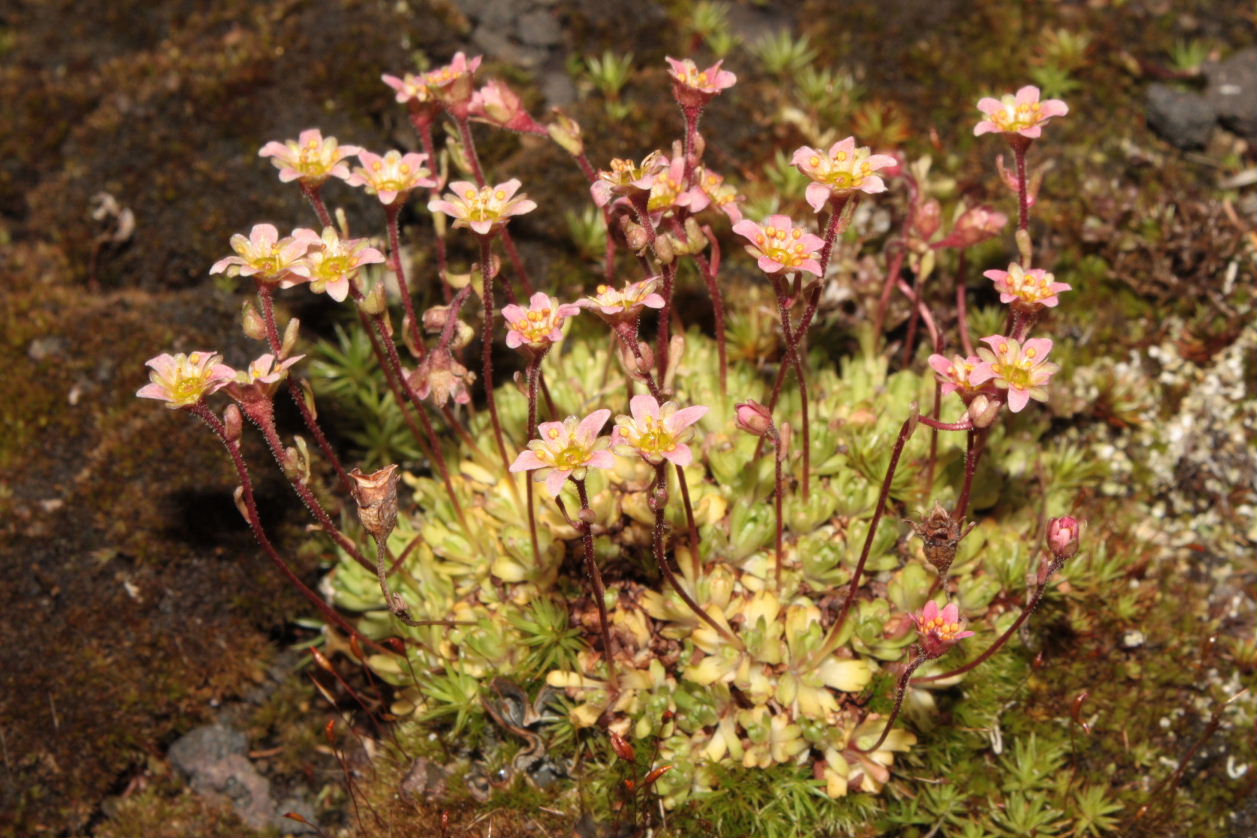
x=780 y=246
x=334 y=261
x=1022 y=369
x=1022 y=113
x=1028 y=290
x=939 y=630
x=624 y=306
x=258 y=381
x=540 y=325
x=410 y=88
x=955 y=374
x=392 y=175
x=311 y=158
x=656 y=433
x=497 y=104
x=184 y=380
x=266 y=257
x=840 y=171
x=693 y=87
x=667 y=189
x=626 y=178
x=719 y=193
x=454 y=83
x=566 y=449
x=483 y=209
x=976 y=225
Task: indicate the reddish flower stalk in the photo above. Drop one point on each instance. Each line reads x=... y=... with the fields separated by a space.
x=249 y=504
x=658 y=503
x=595 y=577
x=294 y=389
x=486 y=267
x=757 y=419
x=261 y=411
x=793 y=339
x=905 y=433
x=393 y=210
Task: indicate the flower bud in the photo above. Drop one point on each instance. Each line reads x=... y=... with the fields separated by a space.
x=974 y=226
x=635 y=236
x=376 y=496
x=566 y=132
x=665 y=249
x=296 y=463
x=374 y=301
x=251 y=321
x=754 y=418
x=290 y=338
x=1062 y=537
x=233 y=423
x=982 y=411
x=928 y=219
x=238 y=497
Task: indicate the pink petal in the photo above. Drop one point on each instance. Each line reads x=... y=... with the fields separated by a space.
x=749 y=229
x=587 y=430
x=1017 y=400
x=1027 y=95
x=682 y=419
x=985 y=127
x=513 y=339
x=1041 y=347
x=950 y=613
x=680 y=456
x=768 y=266
x=526 y=461
x=816 y=195
x=154 y=391
x=338 y=289
x=601 y=459
x=642 y=406
x=989 y=106
x=555 y=480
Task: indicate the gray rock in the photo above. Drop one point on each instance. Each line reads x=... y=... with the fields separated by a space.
x=502 y=48
x=539 y=28
x=1232 y=92
x=205 y=745
x=1181 y=117
x=213 y=758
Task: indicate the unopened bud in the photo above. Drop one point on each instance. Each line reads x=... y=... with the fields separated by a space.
x=754 y=418
x=623 y=749
x=1063 y=536
x=635 y=236
x=676 y=352
x=374 y=302
x=251 y=321
x=296 y=463
x=376 y=496
x=1025 y=248
x=928 y=219
x=696 y=240
x=983 y=410
x=587 y=516
x=290 y=338
x=233 y=423
x=238 y=497
x=665 y=248
x=566 y=132
x=307 y=396
x=785 y=433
